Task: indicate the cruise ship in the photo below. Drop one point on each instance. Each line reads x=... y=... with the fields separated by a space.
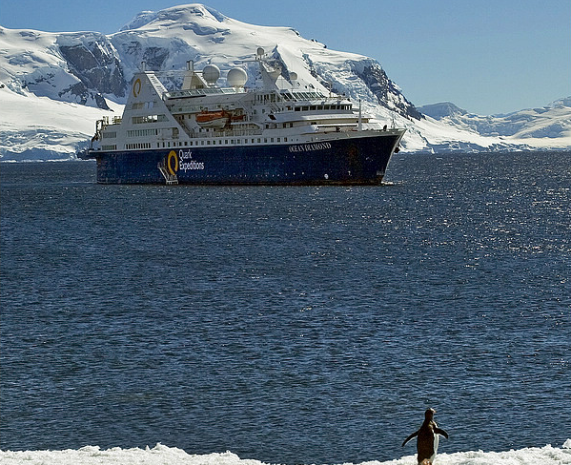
x=280 y=133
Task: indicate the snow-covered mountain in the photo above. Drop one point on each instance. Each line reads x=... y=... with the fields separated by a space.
x=543 y=127
x=54 y=86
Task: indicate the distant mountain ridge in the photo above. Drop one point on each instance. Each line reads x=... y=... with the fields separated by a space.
x=552 y=121
x=55 y=85
x=441 y=110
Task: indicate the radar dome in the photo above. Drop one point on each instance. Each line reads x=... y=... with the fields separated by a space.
x=211 y=73
x=237 y=77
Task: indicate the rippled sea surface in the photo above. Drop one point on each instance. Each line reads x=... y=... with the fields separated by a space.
x=288 y=324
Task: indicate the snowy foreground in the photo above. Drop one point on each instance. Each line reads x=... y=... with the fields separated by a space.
x=162 y=455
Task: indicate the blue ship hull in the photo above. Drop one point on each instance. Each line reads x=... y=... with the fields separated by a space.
x=347 y=161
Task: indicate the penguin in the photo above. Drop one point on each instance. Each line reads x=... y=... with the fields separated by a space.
x=427 y=442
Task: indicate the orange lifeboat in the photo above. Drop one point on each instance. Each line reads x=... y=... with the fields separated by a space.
x=212 y=119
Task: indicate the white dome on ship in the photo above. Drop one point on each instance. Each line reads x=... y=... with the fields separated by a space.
x=237 y=77
x=211 y=73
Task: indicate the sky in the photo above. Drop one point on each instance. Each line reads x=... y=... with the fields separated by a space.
x=485 y=56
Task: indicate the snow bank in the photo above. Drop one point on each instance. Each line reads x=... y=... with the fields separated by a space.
x=161 y=454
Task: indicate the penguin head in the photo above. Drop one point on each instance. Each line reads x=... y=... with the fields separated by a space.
x=429 y=414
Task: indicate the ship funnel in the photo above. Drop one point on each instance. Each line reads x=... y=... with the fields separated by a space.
x=191 y=79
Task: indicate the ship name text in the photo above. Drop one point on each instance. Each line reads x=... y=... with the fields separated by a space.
x=310 y=147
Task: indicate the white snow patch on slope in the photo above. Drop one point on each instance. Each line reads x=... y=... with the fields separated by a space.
x=39 y=128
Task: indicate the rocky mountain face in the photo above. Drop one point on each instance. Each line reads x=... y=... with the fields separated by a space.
x=387 y=93
x=91 y=58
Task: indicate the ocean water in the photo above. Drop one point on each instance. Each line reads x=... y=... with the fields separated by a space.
x=288 y=325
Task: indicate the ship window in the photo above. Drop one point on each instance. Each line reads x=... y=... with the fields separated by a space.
x=259 y=140
x=285 y=139
x=201 y=142
x=305 y=109
x=226 y=141
x=279 y=139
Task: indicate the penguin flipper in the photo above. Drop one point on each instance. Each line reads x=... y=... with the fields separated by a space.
x=409 y=438
x=442 y=432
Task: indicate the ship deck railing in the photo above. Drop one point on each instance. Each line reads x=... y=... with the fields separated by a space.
x=228 y=133
x=199 y=92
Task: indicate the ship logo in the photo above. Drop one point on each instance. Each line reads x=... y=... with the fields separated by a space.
x=172 y=163
x=137 y=88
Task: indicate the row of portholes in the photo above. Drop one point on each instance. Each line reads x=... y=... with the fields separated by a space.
x=214 y=142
